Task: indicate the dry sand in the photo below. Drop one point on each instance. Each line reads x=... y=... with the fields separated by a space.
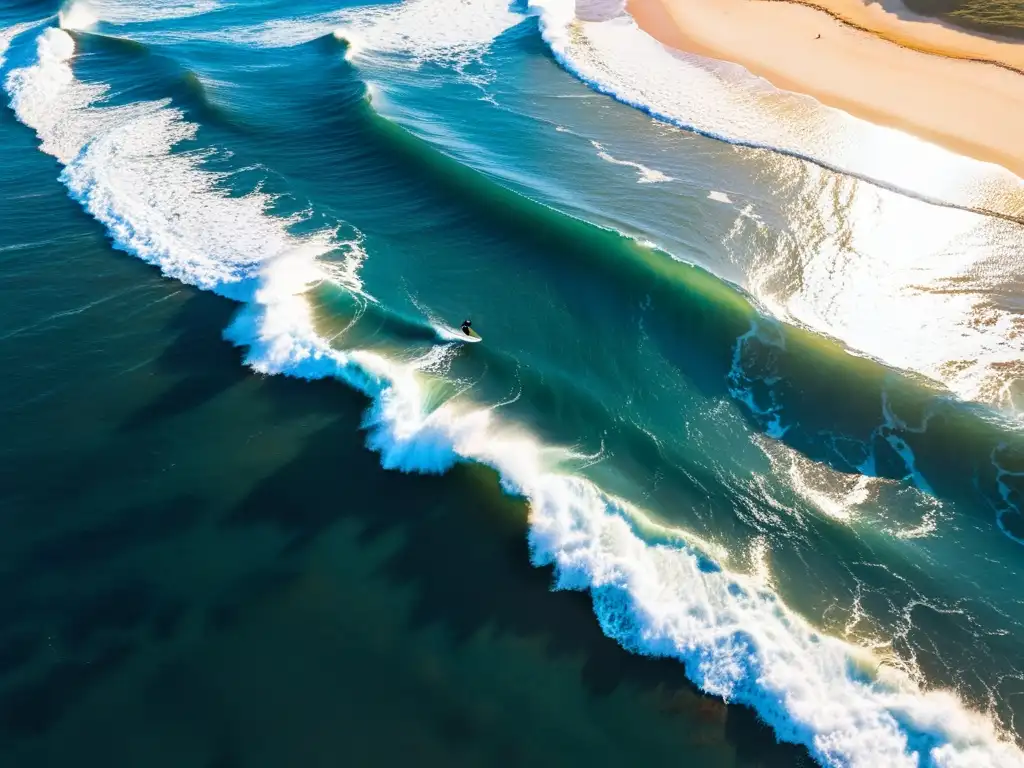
x=892 y=20
x=884 y=76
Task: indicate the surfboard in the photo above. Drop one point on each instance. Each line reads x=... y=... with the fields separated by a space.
x=447 y=333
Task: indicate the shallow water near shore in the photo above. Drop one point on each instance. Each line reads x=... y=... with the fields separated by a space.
x=256 y=498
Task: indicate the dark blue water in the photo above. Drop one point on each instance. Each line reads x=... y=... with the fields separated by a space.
x=762 y=405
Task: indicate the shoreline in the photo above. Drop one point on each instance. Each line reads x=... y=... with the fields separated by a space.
x=912 y=81
x=894 y=21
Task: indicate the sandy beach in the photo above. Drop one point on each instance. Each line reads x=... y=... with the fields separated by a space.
x=893 y=20
x=886 y=65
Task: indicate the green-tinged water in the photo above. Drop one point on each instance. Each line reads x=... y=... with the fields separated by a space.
x=754 y=415
x=190 y=580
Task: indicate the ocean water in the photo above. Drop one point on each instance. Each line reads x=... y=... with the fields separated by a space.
x=736 y=472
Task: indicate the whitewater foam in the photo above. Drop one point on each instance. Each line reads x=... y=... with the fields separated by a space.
x=599 y=43
x=891 y=430
x=836 y=495
x=1004 y=481
x=753 y=374
x=752 y=378
x=888 y=277
x=645 y=175
x=81 y=15
x=735 y=638
x=912 y=279
x=77 y=16
x=273 y=33
x=7 y=36
x=421 y=31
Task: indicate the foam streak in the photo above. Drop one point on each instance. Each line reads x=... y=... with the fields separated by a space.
x=612 y=55
x=735 y=638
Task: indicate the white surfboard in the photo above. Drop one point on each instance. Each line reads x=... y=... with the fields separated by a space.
x=456 y=334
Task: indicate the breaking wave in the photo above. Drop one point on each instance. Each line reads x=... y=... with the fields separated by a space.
x=598 y=42
x=735 y=638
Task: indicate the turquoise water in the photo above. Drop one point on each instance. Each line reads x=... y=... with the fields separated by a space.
x=752 y=389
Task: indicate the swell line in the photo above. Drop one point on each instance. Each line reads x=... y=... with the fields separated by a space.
x=736 y=639
x=555 y=30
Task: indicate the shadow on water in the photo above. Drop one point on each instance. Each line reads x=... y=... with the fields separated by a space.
x=87 y=605
x=204 y=365
x=65 y=641
x=33 y=708
x=465 y=555
x=76 y=602
x=75 y=616
x=133 y=527
x=69 y=624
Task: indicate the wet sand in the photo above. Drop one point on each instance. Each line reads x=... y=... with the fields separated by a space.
x=894 y=21
x=884 y=76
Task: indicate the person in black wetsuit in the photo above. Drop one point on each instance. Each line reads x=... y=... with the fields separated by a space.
x=466 y=326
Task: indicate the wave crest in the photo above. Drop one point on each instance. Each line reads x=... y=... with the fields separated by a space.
x=736 y=638
x=598 y=42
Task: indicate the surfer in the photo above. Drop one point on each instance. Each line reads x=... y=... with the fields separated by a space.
x=466 y=324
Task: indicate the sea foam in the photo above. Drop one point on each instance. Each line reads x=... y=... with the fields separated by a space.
x=7 y=35
x=735 y=638
x=598 y=42
x=919 y=277
x=645 y=175
x=82 y=14
x=910 y=262
x=428 y=30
